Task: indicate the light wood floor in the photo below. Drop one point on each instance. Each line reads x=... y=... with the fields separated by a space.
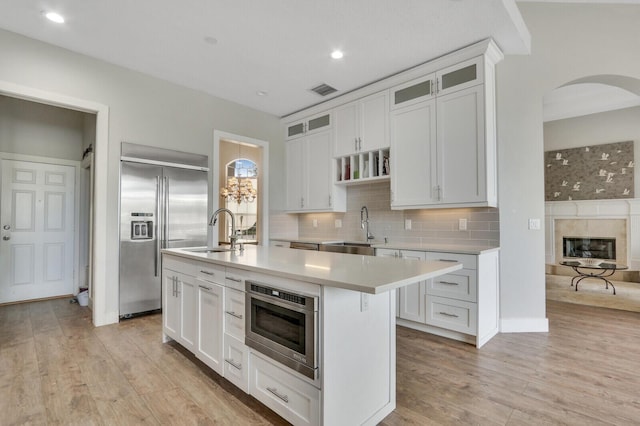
x=57 y=369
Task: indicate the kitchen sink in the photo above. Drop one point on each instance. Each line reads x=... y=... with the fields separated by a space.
x=209 y=250
x=349 y=248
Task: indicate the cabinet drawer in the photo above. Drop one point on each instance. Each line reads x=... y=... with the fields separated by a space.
x=236 y=362
x=452 y=314
x=234 y=313
x=292 y=398
x=469 y=261
x=235 y=279
x=461 y=285
x=210 y=272
x=178 y=265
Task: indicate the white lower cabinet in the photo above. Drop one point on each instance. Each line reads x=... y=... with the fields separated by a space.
x=210 y=320
x=462 y=305
x=410 y=302
x=452 y=314
x=236 y=362
x=292 y=398
x=178 y=299
x=170 y=304
x=234 y=313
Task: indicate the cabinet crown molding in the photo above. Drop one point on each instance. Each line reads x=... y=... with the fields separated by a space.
x=486 y=47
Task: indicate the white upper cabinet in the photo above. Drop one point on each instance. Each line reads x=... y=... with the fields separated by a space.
x=443 y=155
x=316 y=123
x=460 y=76
x=461 y=153
x=413 y=138
x=412 y=92
x=310 y=173
x=362 y=125
x=430 y=130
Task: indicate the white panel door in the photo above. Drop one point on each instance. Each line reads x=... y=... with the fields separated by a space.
x=37 y=220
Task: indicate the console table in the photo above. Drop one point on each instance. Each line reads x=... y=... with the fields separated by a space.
x=601 y=271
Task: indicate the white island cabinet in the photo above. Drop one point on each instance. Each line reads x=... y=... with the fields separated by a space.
x=354 y=379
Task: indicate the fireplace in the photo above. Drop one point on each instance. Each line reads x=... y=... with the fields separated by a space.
x=585 y=247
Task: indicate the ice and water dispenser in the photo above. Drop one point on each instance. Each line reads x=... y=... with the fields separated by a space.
x=141 y=229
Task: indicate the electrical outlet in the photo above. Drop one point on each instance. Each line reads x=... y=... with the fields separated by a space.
x=364 y=302
x=462 y=224
x=407 y=224
x=315 y=223
x=534 y=224
x=338 y=223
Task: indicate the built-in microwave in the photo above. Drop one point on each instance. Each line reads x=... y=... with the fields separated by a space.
x=283 y=325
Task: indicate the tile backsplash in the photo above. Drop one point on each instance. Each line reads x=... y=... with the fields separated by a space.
x=427 y=226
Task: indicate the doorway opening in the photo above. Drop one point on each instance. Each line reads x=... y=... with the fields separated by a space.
x=585 y=123
x=46 y=197
x=240 y=183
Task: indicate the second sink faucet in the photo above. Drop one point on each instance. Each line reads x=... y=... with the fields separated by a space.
x=233 y=237
x=364 y=222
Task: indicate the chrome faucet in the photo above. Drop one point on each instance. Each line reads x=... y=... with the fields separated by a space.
x=233 y=237
x=364 y=222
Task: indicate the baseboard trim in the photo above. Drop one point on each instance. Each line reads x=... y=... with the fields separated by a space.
x=524 y=325
x=40 y=299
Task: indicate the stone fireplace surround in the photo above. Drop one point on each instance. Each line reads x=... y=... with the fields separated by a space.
x=619 y=219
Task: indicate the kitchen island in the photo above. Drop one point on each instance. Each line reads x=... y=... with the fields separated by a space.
x=343 y=372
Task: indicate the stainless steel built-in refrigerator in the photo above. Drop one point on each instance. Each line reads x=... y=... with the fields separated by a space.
x=163 y=204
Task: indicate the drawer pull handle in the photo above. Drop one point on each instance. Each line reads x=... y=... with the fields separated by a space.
x=274 y=391
x=204 y=287
x=233 y=314
x=238 y=280
x=447 y=283
x=207 y=272
x=447 y=314
x=448 y=260
x=236 y=365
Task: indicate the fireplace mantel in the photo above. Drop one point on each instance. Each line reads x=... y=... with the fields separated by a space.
x=596 y=209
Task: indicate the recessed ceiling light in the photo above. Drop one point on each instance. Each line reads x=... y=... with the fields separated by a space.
x=261 y=93
x=54 y=17
x=337 y=54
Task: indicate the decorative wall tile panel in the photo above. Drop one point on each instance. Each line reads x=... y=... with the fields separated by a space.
x=590 y=173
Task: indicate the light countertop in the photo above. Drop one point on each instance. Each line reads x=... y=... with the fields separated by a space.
x=443 y=248
x=367 y=274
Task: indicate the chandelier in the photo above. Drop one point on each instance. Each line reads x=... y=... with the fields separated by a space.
x=239 y=190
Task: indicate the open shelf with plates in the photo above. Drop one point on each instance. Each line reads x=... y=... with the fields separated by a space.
x=363 y=167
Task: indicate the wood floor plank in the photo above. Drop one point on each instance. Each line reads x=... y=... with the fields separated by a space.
x=21 y=400
x=67 y=399
x=18 y=359
x=143 y=374
x=175 y=407
x=56 y=368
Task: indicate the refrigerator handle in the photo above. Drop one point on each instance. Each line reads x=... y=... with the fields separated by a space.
x=158 y=225
x=165 y=217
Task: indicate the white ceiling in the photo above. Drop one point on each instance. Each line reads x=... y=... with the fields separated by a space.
x=280 y=47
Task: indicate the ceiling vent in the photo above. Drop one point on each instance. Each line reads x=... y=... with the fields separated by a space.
x=324 y=90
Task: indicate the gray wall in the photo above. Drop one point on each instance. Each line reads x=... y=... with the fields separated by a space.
x=142 y=110
x=30 y=128
x=570 y=41
x=595 y=129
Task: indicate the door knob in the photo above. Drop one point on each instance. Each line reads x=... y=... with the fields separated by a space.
x=6 y=227
x=6 y=238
